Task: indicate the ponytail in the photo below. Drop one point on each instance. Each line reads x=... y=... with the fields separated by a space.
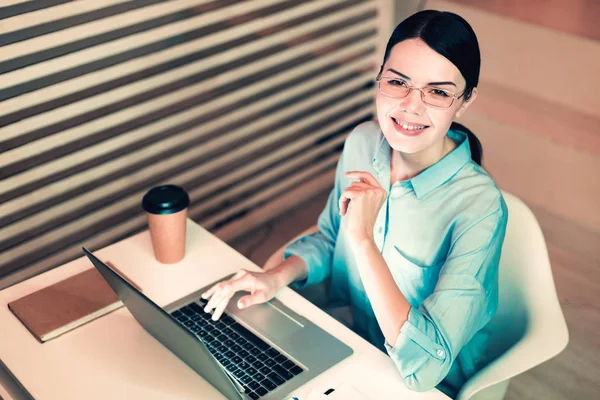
x=474 y=143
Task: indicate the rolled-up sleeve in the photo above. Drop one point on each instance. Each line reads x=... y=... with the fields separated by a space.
x=317 y=249
x=463 y=302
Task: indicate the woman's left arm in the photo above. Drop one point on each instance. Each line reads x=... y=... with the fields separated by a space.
x=424 y=342
x=362 y=201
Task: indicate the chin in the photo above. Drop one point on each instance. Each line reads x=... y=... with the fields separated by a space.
x=407 y=145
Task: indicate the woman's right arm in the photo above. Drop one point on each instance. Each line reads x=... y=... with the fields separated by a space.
x=262 y=286
x=290 y=270
x=307 y=261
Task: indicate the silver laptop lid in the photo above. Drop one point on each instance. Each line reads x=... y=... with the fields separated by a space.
x=168 y=331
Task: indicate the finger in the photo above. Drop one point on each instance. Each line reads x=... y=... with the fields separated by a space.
x=215 y=300
x=360 y=185
x=227 y=289
x=214 y=288
x=258 y=297
x=344 y=201
x=364 y=176
x=208 y=294
x=347 y=195
x=220 y=308
x=343 y=204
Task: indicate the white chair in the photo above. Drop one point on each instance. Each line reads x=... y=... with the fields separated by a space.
x=529 y=327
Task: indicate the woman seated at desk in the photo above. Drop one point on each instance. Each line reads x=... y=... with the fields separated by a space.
x=412 y=232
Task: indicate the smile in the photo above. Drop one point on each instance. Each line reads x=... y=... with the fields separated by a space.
x=407 y=128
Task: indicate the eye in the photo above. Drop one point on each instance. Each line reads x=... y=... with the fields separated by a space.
x=397 y=82
x=439 y=92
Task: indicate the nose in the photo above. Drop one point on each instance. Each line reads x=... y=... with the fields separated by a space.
x=412 y=103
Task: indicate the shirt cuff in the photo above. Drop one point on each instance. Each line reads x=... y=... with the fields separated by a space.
x=415 y=344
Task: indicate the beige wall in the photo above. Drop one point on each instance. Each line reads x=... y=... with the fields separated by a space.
x=538 y=118
x=537 y=114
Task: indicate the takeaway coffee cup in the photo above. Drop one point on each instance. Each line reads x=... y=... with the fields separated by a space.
x=166 y=208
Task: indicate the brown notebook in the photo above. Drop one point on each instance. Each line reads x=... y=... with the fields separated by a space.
x=67 y=304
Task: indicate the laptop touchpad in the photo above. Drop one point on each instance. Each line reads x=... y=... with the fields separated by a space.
x=266 y=318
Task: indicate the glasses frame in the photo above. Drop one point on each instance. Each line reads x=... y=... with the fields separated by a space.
x=454 y=96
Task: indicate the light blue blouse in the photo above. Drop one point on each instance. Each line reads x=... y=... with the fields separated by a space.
x=441 y=235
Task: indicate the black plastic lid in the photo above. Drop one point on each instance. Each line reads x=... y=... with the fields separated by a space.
x=167 y=199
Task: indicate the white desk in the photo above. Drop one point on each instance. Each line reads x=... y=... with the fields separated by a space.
x=113 y=357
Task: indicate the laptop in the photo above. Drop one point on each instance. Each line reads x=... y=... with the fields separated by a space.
x=264 y=351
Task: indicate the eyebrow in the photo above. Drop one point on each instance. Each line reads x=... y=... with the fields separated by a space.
x=430 y=83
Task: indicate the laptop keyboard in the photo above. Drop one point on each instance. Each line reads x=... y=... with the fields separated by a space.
x=258 y=367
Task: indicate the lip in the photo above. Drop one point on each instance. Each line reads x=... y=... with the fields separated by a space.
x=406 y=132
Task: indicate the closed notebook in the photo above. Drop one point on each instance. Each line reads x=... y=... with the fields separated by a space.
x=67 y=304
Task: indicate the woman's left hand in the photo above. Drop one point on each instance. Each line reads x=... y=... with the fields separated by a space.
x=362 y=201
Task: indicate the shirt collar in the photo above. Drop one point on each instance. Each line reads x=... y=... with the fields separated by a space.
x=437 y=174
x=381 y=160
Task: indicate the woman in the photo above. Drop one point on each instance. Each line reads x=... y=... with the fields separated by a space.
x=412 y=232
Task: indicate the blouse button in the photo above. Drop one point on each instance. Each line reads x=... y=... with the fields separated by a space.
x=440 y=353
x=380 y=229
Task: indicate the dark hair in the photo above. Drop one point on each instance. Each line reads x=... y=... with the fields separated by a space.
x=451 y=36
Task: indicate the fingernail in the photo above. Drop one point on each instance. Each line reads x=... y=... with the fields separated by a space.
x=204 y=295
x=206 y=309
x=214 y=318
x=241 y=304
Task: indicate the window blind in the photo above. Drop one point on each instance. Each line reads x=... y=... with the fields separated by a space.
x=245 y=104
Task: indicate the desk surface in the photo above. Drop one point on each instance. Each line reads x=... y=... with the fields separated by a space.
x=113 y=357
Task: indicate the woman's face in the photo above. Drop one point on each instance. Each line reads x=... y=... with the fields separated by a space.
x=418 y=65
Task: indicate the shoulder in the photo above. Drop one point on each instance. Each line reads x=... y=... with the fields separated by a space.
x=476 y=196
x=365 y=137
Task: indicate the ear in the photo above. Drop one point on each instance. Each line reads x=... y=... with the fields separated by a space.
x=463 y=107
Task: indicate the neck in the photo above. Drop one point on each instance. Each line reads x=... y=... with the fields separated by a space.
x=406 y=166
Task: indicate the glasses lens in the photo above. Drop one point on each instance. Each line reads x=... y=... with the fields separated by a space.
x=437 y=97
x=393 y=87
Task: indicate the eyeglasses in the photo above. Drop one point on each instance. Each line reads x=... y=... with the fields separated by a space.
x=397 y=88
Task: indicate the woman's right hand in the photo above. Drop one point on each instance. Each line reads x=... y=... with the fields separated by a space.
x=262 y=287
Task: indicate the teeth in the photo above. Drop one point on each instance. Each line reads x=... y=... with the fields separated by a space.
x=409 y=127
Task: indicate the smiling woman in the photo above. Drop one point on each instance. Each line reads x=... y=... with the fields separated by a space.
x=429 y=76
x=412 y=233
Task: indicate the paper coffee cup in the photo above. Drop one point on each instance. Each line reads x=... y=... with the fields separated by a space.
x=166 y=208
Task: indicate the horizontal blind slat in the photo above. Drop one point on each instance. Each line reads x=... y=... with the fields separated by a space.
x=172 y=55
x=118 y=51
x=137 y=148
x=164 y=20
x=13 y=8
x=65 y=185
x=95 y=104
x=92 y=199
x=271 y=191
x=96 y=131
x=133 y=198
x=60 y=24
x=54 y=45
x=125 y=229
x=241 y=103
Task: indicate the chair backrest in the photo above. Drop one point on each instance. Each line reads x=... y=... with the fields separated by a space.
x=528 y=302
x=529 y=327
